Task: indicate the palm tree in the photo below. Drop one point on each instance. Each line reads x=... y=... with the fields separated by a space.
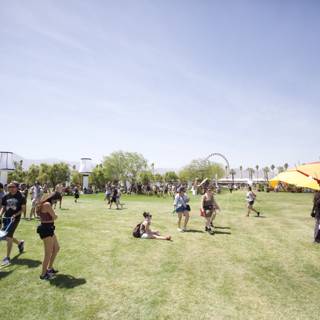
x=251 y=172
x=257 y=168
x=272 y=167
x=266 y=171
x=241 y=169
x=286 y=166
x=233 y=173
x=280 y=169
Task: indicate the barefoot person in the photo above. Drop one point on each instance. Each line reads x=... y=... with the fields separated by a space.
x=181 y=208
x=251 y=197
x=209 y=208
x=145 y=231
x=46 y=232
x=13 y=204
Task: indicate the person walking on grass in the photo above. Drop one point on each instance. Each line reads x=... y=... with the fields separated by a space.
x=76 y=194
x=146 y=232
x=36 y=194
x=182 y=208
x=251 y=197
x=13 y=204
x=316 y=215
x=46 y=232
x=209 y=209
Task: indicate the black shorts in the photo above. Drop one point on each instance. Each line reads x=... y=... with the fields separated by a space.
x=251 y=203
x=13 y=226
x=46 y=230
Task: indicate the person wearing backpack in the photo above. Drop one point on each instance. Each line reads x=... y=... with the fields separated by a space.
x=143 y=230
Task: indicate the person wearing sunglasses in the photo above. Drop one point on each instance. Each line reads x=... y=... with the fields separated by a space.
x=13 y=204
x=147 y=233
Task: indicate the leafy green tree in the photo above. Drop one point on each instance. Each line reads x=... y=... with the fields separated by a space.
x=201 y=169
x=124 y=166
x=280 y=169
x=257 y=168
x=286 y=166
x=59 y=173
x=44 y=173
x=145 y=177
x=97 y=177
x=170 y=176
x=18 y=174
x=241 y=171
x=32 y=174
x=76 y=178
x=158 y=177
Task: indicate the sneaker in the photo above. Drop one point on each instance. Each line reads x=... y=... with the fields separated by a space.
x=52 y=271
x=180 y=230
x=21 y=246
x=5 y=262
x=209 y=230
x=47 y=276
x=211 y=224
x=258 y=214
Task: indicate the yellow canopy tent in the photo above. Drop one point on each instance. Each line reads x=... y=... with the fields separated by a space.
x=296 y=178
x=310 y=170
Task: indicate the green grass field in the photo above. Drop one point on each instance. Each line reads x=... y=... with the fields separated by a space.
x=252 y=268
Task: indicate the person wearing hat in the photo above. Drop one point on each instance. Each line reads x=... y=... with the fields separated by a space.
x=182 y=208
x=13 y=204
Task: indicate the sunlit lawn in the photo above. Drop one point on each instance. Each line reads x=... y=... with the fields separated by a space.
x=252 y=268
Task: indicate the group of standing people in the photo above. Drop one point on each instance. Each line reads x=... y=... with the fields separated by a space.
x=13 y=206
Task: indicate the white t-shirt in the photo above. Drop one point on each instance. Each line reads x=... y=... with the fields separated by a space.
x=250 y=196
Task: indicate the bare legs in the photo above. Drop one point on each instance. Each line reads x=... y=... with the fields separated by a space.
x=51 y=248
x=251 y=208
x=186 y=219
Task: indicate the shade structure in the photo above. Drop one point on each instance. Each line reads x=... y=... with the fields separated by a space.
x=6 y=161
x=296 y=178
x=311 y=170
x=85 y=166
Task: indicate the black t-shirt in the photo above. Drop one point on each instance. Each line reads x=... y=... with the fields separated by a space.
x=13 y=203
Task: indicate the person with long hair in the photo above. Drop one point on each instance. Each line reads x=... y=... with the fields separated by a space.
x=182 y=208
x=251 y=197
x=46 y=232
x=146 y=232
x=209 y=209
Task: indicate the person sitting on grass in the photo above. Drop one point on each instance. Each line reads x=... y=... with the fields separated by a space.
x=251 y=197
x=146 y=232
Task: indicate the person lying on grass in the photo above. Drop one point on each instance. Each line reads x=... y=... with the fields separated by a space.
x=146 y=232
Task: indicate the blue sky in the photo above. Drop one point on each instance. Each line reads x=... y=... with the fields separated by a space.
x=173 y=80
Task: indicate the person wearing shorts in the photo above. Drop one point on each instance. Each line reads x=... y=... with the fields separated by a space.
x=46 y=232
x=209 y=209
x=36 y=194
x=147 y=233
x=13 y=204
x=182 y=208
x=251 y=197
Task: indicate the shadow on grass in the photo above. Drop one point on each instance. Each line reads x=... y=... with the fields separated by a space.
x=222 y=228
x=194 y=231
x=263 y=217
x=221 y=232
x=66 y=281
x=5 y=274
x=25 y=262
x=64 y=209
